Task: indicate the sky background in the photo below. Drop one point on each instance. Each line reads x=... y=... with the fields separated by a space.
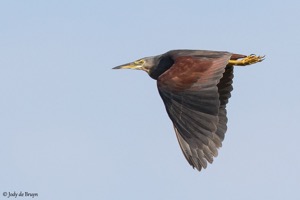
x=72 y=128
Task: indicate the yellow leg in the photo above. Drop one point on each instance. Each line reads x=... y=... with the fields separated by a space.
x=247 y=60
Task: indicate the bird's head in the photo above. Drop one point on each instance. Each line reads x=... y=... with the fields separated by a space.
x=145 y=64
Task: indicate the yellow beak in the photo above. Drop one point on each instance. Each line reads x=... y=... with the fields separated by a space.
x=129 y=66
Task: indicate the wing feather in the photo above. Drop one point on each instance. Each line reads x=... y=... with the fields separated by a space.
x=195 y=91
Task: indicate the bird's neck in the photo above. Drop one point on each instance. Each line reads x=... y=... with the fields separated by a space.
x=164 y=63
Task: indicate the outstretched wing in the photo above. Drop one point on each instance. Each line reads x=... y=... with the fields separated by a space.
x=195 y=91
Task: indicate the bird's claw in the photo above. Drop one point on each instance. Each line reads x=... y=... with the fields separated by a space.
x=251 y=59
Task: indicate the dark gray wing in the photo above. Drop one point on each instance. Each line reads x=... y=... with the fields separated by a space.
x=224 y=89
x=195 y=91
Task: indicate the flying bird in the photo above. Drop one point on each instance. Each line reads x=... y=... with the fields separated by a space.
x=195 y=86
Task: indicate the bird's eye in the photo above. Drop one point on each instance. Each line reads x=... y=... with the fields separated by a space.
x=139 y=62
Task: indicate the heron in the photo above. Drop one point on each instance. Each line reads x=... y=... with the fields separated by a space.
x=195 y=86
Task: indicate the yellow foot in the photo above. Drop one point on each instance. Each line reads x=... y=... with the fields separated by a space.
x=247 y=60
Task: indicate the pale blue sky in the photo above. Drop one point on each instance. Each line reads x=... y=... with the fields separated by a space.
x=72 y=128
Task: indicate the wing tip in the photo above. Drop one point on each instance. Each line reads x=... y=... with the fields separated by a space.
x=198 y=158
